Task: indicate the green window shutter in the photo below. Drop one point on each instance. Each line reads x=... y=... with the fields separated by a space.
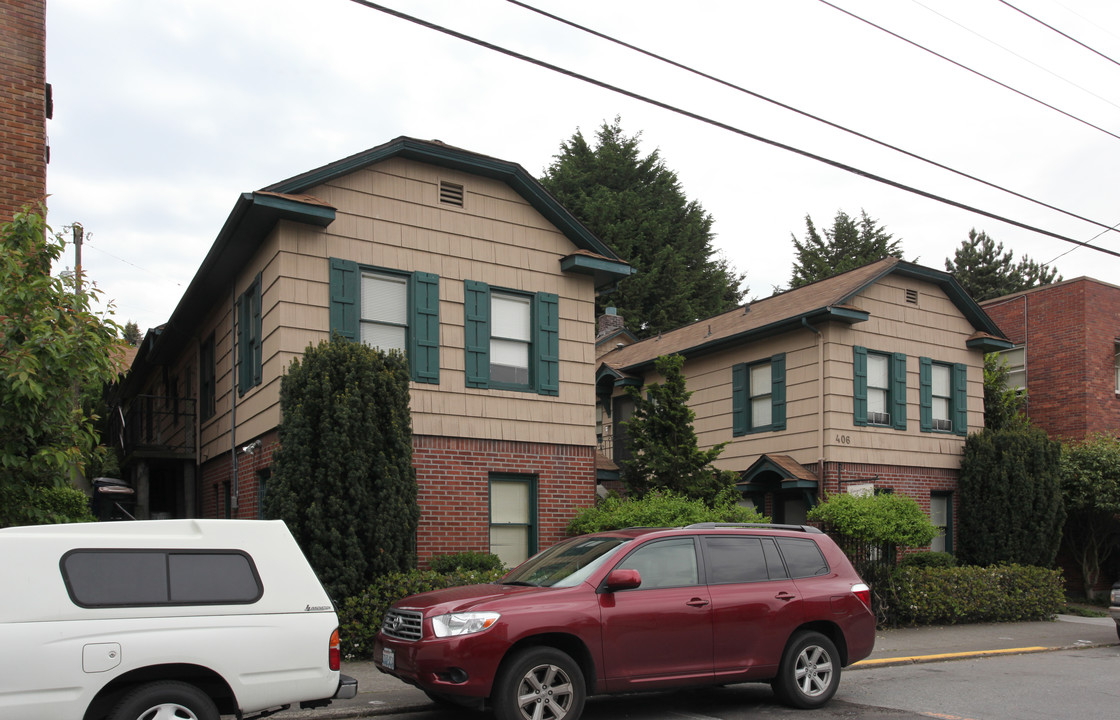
x=960 y=398
x=898 y=391
x=423 y=327
x=859 y=384
x=925 y=377
x=778 y=392
x=344 y=279
x=257 y=343
x=739 y=399
x=546 y=344
x=242 y=359
x=477 y=341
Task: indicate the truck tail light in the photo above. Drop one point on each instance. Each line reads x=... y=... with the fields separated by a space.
x=334 y=655
x=861 y=591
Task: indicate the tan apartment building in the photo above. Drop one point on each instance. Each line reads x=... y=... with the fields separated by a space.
x=462 y=261
x=866 y=381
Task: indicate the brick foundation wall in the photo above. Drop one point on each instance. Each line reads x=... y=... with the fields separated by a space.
x=454 y=473
x=23 y=131
x=453 y=476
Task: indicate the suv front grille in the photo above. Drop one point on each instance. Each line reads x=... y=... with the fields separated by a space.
x=403 y=624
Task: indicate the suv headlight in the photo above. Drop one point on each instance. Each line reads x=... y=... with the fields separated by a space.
x=453 y=624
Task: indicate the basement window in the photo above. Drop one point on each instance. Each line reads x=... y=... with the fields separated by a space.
x=450 y=194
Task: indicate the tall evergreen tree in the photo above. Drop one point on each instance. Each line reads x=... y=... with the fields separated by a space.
x=985 y=270
x=343 y=479
x=849 y=244
x=132 y=334
x=636 y=205
x=663 y=448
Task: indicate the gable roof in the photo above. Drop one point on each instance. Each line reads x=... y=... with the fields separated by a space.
x=825 y=300
x=596 y=258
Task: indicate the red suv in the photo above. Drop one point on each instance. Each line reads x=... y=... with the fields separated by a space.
x=639 y=609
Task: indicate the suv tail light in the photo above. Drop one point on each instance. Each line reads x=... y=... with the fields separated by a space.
x=861 y=591
x=334 y=654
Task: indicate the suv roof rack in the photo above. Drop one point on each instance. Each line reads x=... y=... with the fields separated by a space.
x=762 y=526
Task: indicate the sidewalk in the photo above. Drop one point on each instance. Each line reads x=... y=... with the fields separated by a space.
x=380 y=694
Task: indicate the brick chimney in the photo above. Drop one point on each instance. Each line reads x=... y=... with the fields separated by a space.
x=24 y=105
x=609 y=323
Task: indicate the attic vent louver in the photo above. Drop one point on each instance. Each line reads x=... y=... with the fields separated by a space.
x=912 y=296
x=451 y=194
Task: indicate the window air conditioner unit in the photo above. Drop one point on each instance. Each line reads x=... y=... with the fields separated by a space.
x=942 y=424
x=878 y=418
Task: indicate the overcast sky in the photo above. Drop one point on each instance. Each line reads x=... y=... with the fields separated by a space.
x=165 y=112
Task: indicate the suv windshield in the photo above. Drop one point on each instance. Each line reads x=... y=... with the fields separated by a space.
x=566 y=564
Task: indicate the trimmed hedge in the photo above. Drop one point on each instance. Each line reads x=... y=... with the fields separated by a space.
x=359 y=617
x=928 y=559
x=951 y=596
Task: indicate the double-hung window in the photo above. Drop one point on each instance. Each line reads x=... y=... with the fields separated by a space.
x=758 y=396
x=879 y=391
x=249 y=356
x=944 y=396
x=513 y=513
x=1016 y=361
x=512 y=339
x=389 y=310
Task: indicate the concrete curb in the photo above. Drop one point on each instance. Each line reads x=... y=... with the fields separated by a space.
x=945 y=657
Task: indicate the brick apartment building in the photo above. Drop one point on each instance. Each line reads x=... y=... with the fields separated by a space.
x=1066 y=354
x=25 y=105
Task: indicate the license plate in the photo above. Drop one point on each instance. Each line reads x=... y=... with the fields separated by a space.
x=388 y=658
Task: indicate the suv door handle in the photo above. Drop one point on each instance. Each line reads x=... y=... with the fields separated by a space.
x=697 y=602
x=787 y=596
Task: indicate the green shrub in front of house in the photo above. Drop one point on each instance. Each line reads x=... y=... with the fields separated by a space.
x=481 y=562
x=359 y=617
x=958 y=595
x=661 y=508
x=928 y=559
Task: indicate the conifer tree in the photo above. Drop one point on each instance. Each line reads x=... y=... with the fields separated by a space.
x=663 y=448
x=343 y=479
x=847 y=245
x=985 y=270
x=636 y=205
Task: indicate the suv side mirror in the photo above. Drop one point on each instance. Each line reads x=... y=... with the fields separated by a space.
x=623 y=580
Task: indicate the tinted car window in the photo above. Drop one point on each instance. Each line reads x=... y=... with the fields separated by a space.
x=735 y=560
x=774 y=565
x=803 y=557
x=666 y=563
x=114 y=578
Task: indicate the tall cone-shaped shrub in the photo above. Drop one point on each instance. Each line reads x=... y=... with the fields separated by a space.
x=343 y=479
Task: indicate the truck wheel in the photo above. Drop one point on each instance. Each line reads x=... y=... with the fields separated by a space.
x=170 y=700
x=539 y=683
x=809 y=672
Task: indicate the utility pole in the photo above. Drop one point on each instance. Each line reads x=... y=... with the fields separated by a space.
x=78 y=232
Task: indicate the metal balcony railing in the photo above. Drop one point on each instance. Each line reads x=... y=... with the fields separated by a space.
x=154 y=423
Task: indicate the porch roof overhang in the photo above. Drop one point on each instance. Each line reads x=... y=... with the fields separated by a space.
x=776 y=472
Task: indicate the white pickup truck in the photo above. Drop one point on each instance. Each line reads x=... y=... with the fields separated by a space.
x=164 y=618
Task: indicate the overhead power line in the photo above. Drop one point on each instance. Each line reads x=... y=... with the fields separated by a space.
x=1067 y=37
x=803 y=113
x=724 y=126
x=962 y=66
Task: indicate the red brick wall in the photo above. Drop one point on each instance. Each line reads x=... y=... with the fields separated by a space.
x=23 y=132
x=1070 y=330
x=454 y=474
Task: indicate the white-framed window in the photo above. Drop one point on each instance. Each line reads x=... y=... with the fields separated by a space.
x=761 y=394
x=511 y=319
x=512 y=513
x=878 y=389
x=1016 y=359
x=1116 y=362
x=941 y=516
x=941 y=389
x=384 y=320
